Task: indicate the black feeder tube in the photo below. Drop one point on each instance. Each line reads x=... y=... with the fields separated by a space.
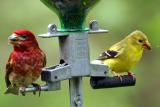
x=112 y=82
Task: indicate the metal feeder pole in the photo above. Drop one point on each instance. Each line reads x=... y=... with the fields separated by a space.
x=76 y=95
x=74 y=50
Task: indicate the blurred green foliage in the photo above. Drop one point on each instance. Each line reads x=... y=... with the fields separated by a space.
x=119 y=16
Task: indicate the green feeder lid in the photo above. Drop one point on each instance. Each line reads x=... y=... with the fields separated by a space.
x=72 y=13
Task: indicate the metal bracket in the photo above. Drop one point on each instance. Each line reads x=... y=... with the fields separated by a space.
x=99 y=70
x=56 y=73
x=54 y=32
x=63 y=72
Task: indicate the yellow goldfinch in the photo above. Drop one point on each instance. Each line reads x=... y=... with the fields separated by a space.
x=124 y=55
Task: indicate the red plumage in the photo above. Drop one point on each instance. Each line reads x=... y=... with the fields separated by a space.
x=25 y=62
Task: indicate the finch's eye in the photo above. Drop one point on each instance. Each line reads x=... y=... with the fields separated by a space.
x=140 y=41
x=24 y=36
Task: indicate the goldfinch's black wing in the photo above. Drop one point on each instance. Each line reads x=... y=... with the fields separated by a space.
x=108 y=54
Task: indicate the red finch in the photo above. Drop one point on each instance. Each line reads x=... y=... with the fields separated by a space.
x=25 y=62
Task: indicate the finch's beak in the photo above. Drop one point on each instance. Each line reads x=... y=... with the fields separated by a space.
x=147 y=45
x=13 y=39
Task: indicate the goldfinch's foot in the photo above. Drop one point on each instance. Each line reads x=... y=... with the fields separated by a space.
x=132 y=74
x=120 y=77
x=38 y=88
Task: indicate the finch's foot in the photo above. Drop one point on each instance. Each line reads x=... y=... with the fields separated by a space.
x=131 y=74
x=118 y=75
x=38 y=88
x=22 y=90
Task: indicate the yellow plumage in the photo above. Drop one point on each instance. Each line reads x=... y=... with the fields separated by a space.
x=124 y=55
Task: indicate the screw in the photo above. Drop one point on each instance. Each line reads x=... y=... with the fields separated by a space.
x=105 y=72
x=52 y=28
x=55 y=77
x=93 y=25
x=77 y=100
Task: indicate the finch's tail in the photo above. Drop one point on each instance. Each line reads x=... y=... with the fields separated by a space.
x=12 y=90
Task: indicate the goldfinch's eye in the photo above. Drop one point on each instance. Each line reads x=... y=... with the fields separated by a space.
x=140 y=41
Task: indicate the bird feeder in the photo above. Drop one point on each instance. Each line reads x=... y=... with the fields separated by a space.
x=74 y=52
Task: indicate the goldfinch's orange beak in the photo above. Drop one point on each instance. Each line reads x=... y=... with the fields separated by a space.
x=147 y=45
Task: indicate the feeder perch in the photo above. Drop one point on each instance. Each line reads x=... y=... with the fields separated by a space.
x=111 y=82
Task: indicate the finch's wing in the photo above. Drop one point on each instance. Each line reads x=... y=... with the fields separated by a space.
x=114 y=52
x=44 y=58
x=9 y=68
x=108 y=54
